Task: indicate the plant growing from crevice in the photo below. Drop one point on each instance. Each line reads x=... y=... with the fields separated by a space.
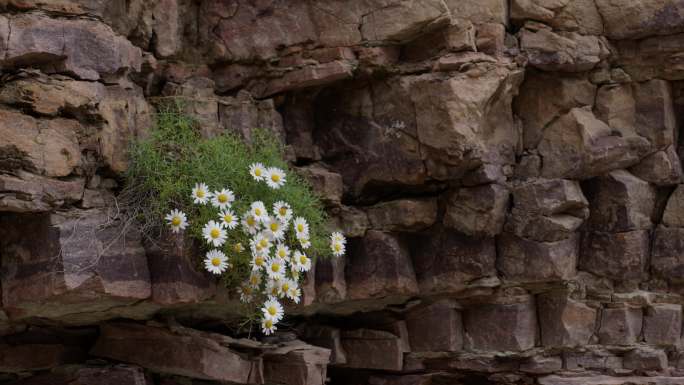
x=258 y=224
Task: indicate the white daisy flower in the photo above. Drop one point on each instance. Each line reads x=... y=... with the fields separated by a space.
x=254 y=279
x=273 y=288
x=301 y=228
x=258 y=211
x=268 y=326
x=295 y=294
x=257 y=171
x=275 y=229
x=273 y=310
x=238 y=248
x=177 y=220
x=301 y=262
x=282 y=211
x=258 y=261
x=246 y=293
x=282 y=252
x=228 y=219
x=214 y=233
x=305 y=243
x=249 y=224
x=216 y=262
x=294 y=272
x=222 y=199
x=275 y=268
x=338 y=248
x=275 y=177
x=285 y=285
x=261 y=244
x=201 y=194
x=338 y=237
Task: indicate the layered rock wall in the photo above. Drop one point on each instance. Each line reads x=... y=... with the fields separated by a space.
x=508 y=173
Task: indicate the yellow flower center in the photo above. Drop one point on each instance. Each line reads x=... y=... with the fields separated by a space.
x=338 y=247
x=274 y=226
x=300 y=227
x=254 y=279
x=263 y=243
x=275 y=178
x=176 y=221
x=251 y=221
x=282 y=211
x=286 y=287
x=268 y=324
x=247 y=290
x=275 y=267
x=272 y=310
x=214 y=233
x=282 y=253
x=257 y=211
x=257 y=171
x=274 y=291
x=222 y=198
x=227 y=218
x=216 y=261
x=200 y=193
x=303 y=259
x=259 y=261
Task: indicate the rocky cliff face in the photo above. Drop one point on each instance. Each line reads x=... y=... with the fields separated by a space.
x=508 y=173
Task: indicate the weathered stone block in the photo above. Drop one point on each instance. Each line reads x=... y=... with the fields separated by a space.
x=615 y=255
x=564 y=321
x=626 y=19
x=107 y=375
x=327 y=184
x=525 y=260
x=541 y=365
x=477 y=211
x=379 y=265
x=327 y=337
x=403 y=215
x=662 y=168
x=655 y=118
x=501 y=326
x=644 y=359
x=667 y=258
x=373 y=349
x=673 y=216
x=620 y=326
x=26 y=192
x=663 y=324
x=296 y=363
x=435 y=328
x=33 y=357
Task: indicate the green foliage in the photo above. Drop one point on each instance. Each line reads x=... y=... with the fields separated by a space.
x=167 y=164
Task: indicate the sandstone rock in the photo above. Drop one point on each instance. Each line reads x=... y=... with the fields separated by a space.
x=667 y=257
x=199 y=101
x=547 y=210
x=655 y=57
x=331 y=285
x=446 y=261
x=607 y=380
x=620 y=256
x=564 y=321
x=327 y=184
x=296 y=363
x=615 y=105
x=563 y=51
x=564 y=15
x=403 y=21
x=174 y=275
x=619 y=201
x=85 y=263
x=373 y=349
x=662 y=168
x=524 y=260
x=167 y=28
x=626 y=19
x=403 y=215
x=30 y=357
x=646 y=359
x=27 y=192
x=242 y=114
x=48 y=147
x=486 y=11
x=654 y=112
x=86 y=48
x=351 y=221
x=663 y=324
x=673 y=216
x=477 y=211
x=578 y=145
x=490 y=38
x=309 y=76
x=195 y=355
x=620 y=326
x=435 y=328
x=541 y=365
x=75 y=375
x=545 y=97
x=327 y=337
x=379 y=265
x=509 y=327
x=594 y=359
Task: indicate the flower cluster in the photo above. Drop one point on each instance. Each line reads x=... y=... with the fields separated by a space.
x=277 y=240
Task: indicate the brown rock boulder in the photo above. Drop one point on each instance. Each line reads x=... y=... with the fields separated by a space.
x=379 y=265
x=26 y=192
x=197 y=354
x=662 y=168
x=655 y=118
x=33 y=357
x=673 y=216
x=85 y=265
x=373 y=349
x=663 y=324
x=667 y=258
x=327 y=184
x=644 y=359
x=435 y=328
x=403 y=21
x=562 y=51
x=296 y=363
x=403 y=215
x=626 y=19
x=524 y=260
x=75 y=375
x=501 y=326
x=620 y=256
x=477 y=211
x=620 y=326
x=564 y=321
